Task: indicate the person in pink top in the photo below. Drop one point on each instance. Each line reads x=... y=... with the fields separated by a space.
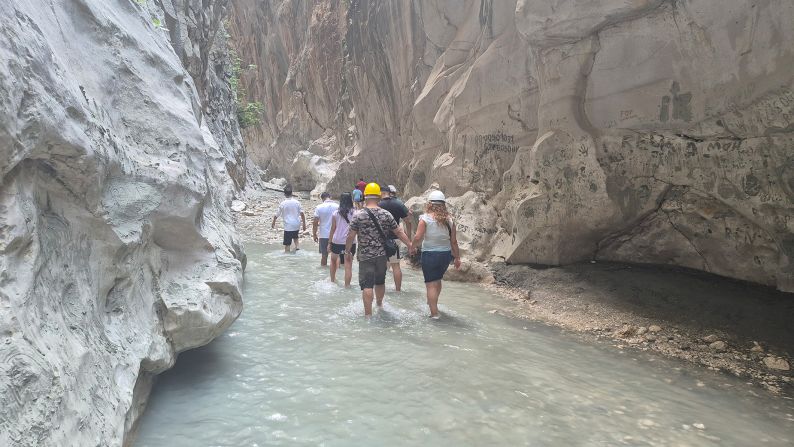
x=340 y=226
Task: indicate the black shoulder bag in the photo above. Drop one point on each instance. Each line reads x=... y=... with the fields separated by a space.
x=388 y=244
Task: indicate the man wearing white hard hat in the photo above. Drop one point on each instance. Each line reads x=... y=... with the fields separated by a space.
x=438 y=236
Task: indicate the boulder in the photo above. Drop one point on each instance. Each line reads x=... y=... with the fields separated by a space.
x=776 y=363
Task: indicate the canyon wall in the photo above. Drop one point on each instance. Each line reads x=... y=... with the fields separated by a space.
x=651 y=131
x=119 y=156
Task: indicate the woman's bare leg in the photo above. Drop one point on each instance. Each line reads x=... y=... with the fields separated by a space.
x=334 y=266
x=433 y=291
x=348 y=270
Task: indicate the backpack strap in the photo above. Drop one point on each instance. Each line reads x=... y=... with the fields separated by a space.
x=377 y=225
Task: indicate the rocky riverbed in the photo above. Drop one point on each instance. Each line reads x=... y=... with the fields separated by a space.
x=721 y=324
x=718 y=323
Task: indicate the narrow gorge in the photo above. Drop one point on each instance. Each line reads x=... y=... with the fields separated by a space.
x=650 y=133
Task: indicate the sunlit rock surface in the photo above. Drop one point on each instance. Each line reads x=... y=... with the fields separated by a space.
x=119 y=154
x=568 y=130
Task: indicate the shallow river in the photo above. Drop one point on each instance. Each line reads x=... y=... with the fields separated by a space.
x=302 y=367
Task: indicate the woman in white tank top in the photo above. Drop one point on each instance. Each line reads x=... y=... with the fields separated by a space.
x=438 y=236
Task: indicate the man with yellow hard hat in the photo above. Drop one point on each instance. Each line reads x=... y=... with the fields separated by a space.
x=372 y=226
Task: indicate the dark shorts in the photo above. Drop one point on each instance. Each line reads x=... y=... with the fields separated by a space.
x=289 y=236
x=323 y=246
x=339 y=249
x=435 y=264
x=372 y=272
x=397 y=256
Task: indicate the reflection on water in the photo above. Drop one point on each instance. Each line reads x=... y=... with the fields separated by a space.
x=302 y=367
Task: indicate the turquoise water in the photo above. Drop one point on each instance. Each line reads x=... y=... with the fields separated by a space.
x=303 y=367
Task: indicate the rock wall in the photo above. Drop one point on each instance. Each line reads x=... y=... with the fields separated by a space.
x=119 y=154
x=651 y=131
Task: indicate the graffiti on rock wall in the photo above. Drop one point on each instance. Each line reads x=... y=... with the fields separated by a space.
x=702 y=161
x=681 y=104
x=494 y=143
x=493 y=154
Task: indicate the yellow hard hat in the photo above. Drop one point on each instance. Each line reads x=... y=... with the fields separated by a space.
x=373 y=189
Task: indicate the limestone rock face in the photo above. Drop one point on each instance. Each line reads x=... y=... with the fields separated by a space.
x=646 y=131
x=119 y=154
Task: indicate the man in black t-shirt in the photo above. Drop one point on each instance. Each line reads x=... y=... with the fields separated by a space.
x=398 y=210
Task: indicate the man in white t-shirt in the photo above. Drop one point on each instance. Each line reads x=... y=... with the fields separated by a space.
x=322 y=219
x=292 y=214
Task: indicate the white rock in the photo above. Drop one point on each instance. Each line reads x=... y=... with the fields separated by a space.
x=699 y=426
x=238 y=205
x=654 y=329
x=776 y=363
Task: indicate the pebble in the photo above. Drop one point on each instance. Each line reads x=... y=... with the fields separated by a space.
x=756 y=347
x=238 y=205
x=493 y=311
x=647 y=423
x=627 y=331
x=642 y=330
x=718 y=346
x=710 y=338
x=776 y=363
x=654 y=329
x=650 y=337
x=699 y=426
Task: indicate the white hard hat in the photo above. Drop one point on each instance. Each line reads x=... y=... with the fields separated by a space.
x=436 y=196
x=391 y=189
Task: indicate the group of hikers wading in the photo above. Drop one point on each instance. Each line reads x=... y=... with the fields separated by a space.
x=366 y=223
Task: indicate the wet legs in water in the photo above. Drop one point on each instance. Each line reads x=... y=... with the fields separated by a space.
x=348 y=270
x=398 y=275
x=368 y=294
x=348 y=266
x=334 y=266
x=433 y=291
x=380 y=291
x=323 y=259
